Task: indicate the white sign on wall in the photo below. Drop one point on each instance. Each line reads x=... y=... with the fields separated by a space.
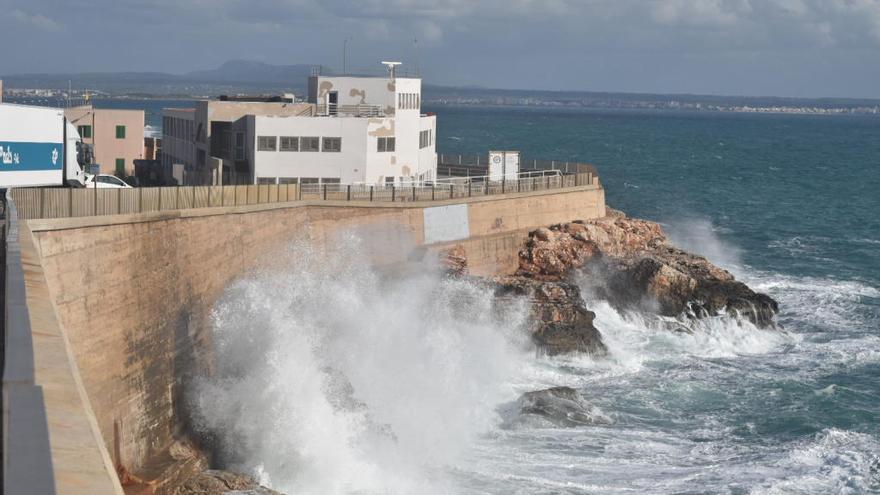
x=446 y=223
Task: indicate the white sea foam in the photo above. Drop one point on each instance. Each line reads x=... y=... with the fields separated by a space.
x=426 y=359
x=633 y=337
x=699 y=235
x=428 y=364
x=835 y=461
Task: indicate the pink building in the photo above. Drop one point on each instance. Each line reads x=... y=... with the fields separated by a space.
x=116 y=136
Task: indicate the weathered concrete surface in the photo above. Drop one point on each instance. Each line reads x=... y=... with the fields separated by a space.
x=124 y=302
x=80 y=459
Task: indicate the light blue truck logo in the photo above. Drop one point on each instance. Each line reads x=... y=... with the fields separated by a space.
x=29 y=156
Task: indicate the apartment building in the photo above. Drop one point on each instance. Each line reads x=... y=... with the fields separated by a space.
x=192 y=136
x=116 y=136
x=351 y=130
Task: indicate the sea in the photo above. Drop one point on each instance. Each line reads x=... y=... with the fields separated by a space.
x=335 y=378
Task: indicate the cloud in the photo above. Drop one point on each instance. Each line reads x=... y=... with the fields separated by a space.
x=489 y=42
x=700 y=13
x=36 y=21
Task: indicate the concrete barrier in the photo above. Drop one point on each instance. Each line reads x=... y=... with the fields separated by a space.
x=51 y=443
x=118 y=305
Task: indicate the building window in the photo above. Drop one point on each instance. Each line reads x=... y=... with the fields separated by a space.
x=288 y=180
x=266 y=143
x=309 y=144
x=265 y=180
x=239 y=146
x=85 y=131
x=385 y=144
x=389 y=181
x=425 y=139
x=120 y=132
x=332 y=144
x=289 y=143
x=120 y=167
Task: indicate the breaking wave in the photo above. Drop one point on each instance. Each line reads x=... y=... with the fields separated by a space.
x=335 y=377
x=338 y=379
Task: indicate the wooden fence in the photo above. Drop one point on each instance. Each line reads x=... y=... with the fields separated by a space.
x=66 y=202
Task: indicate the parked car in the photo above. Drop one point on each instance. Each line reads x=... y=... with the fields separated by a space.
x=105 y=180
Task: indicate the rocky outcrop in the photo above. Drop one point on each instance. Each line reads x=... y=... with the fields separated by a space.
x=216 y=482
x=557 y=406
x=631 y=263
x=559 y=321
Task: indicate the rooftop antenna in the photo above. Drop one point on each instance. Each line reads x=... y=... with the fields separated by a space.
x=416 y=50
x=345 y=54
x=391 y=66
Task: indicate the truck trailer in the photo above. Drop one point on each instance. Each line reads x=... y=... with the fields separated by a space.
x=38 y=148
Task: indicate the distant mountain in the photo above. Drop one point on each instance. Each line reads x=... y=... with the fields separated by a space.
x=248 y=71
x=233 y=76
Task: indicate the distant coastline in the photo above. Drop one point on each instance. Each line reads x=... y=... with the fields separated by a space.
x=50 y=97
x=490 y=99
x=671 y=105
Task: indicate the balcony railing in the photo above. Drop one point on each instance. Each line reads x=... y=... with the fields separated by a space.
x=334 y=110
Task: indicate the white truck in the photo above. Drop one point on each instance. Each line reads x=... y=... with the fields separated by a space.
x=39 y=147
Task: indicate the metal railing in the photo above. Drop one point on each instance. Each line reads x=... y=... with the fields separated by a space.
x=67 y=203
x=453 y=165
x=510 y=178
x=349 y=110
x=437 y=191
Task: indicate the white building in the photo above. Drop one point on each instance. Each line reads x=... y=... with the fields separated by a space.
x=352 y=130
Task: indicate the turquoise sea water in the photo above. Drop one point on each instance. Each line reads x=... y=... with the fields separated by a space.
x=789 y=203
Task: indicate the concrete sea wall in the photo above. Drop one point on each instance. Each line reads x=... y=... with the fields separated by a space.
x=119 y=305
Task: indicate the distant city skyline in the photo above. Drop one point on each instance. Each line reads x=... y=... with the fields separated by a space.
x=798 y=48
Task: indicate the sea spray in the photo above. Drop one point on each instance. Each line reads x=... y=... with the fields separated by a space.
x=700 y=236
x=331 y=377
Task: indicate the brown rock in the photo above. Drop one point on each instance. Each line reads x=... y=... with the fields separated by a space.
x=216 y=482
x=559 y=320
x=641 y=265
x=454 y=261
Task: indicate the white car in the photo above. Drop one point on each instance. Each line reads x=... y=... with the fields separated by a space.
x=105 y=180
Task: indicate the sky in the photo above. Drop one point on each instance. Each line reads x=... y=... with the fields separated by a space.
x=804 y=48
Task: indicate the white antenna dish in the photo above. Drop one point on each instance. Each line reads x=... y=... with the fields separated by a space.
x=391 y=66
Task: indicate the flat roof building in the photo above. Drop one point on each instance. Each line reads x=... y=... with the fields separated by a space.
x=116 y=136
x=351 y=130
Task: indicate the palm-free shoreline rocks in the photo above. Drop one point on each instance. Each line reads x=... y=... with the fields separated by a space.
x=561 y=407
x=631 y=263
